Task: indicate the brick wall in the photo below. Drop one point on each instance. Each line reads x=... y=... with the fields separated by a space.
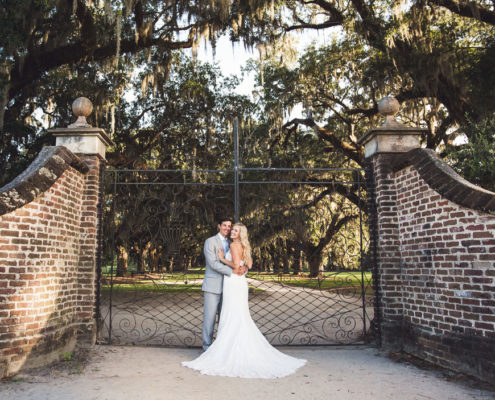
x=436 y=262
x=48 y=248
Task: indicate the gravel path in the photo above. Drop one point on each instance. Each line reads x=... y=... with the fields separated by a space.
x=284 y=314
x=155 y=373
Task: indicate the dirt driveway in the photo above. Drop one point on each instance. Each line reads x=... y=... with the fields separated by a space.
x=286 y=315
x=147 y=373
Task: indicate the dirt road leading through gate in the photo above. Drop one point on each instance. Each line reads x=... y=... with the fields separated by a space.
x=140 y=373
x=285 y=315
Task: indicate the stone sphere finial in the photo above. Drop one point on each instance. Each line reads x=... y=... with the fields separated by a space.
x=389 y=107
x=81 y=107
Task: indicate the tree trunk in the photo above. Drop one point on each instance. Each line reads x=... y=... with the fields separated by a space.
x=315 y=265
x=255 y=263
x=285 y=261
x=179 y=263
x=154 y=259
x=4 y=91
x=142 y=255
x=122 y=257
x=297 y=262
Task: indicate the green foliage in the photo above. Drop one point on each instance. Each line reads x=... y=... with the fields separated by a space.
x=52 y=51
x=434 y=58
x=182 y=118
x=475 y=160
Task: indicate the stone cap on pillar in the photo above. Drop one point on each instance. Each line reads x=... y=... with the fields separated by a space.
x=80 y=137
x=392 y=136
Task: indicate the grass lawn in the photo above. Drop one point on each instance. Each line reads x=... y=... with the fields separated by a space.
x=187 y=283
x=151 y=287
x=329 y=280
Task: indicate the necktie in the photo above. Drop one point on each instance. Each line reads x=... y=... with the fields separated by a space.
x=226 y=246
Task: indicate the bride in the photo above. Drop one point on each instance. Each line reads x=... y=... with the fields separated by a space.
x=240 y=349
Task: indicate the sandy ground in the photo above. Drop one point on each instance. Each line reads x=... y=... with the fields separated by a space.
x=155 y=373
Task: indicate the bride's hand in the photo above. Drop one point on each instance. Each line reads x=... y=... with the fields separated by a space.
x=221 y=254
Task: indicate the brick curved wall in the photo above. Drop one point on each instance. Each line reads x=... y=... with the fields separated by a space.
x=436 y=259
x=443 y=179
x=38 y=177
x=47 y=260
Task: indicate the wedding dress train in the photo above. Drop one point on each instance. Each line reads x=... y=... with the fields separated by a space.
x=240 y=349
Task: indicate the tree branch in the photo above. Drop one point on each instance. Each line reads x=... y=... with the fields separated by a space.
x=332 y=230
x=371 y=28
x=403 y=95
x=468 y=9
x=354 y=152
x=327 y=24
x=34 y=65
x=335 y=18
x=349 y=192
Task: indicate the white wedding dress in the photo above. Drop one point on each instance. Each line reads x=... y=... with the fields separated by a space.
x=240 y=349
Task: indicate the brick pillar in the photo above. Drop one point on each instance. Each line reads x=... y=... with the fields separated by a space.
x=382 y=146
x=90 y=242
x=89 y=144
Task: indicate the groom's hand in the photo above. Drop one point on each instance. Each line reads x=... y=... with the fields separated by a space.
x=242 y=270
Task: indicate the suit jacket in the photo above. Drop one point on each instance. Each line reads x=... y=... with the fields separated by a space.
x=215 y=269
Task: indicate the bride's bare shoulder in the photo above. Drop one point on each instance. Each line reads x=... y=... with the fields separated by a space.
x=236 y=245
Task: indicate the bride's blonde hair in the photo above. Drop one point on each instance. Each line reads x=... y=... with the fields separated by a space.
x=243 y=236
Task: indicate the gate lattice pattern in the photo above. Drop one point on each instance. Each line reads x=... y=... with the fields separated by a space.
x=311 y=281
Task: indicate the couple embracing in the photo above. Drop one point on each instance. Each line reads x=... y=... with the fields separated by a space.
x=240 y=349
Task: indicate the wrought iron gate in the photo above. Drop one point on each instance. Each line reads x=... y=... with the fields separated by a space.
x=311 y=283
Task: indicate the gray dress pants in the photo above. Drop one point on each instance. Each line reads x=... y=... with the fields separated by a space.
x=212 y=306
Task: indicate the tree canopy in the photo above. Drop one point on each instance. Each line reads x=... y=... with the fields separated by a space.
x=433 y=56
x=165 y=110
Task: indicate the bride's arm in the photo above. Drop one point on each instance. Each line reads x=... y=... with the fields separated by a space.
x=221 y=256
x=236 y=251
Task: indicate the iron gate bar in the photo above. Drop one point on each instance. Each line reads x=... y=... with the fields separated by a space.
x=171 y=170
x=240 y=169
x=236 y=169
x=361 y=254
x=310 y=183
x=114 y=199
x=304 y=169
x=174 y=183
x=232 y=184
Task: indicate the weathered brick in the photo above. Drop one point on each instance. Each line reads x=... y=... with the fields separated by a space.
x=459 y=258
x=38 y=293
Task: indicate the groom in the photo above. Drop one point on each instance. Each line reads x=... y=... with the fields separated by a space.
x=213 y=279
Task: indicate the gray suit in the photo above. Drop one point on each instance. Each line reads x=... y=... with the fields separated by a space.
x=212 y=286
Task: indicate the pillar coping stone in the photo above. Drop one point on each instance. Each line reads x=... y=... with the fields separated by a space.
x=80 y=137
x=392 y=136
